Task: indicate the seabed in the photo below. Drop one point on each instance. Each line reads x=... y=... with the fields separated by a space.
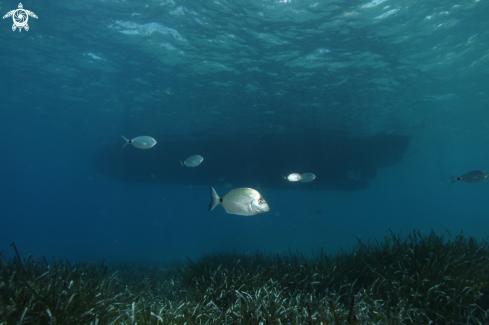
x=418 y=279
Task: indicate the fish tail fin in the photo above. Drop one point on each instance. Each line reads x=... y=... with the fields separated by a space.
x=215 y=199
x=181 y=162
x=127 y=141
x=453 y=179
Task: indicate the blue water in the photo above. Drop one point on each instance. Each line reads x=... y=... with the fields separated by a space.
x=89 y=71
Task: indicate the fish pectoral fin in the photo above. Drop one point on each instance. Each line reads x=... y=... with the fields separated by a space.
x=236 y=208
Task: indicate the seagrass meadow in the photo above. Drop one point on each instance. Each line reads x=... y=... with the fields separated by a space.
x=416 y=279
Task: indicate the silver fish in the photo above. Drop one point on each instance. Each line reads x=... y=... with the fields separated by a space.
x=242 y=201
x=470 y=177
x=142 y=142
x=294 y=177
x=193 y=161
x=308 y=177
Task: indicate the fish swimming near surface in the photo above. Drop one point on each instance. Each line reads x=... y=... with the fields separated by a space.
x=241 y=201
x=192 y=161
x=294 y=177
x=308 y=177
x=470 y=177
x=142 y=142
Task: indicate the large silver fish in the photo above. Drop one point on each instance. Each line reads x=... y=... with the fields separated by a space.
x=193 y=161
x=242 y=201
x=470 y=177
x=142 y=142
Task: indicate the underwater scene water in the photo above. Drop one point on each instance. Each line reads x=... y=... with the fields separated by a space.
x=385 y=102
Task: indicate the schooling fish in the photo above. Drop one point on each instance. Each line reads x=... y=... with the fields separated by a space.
x=242 y=201
x=193 y=161
x=142 y=142
x=470 y=177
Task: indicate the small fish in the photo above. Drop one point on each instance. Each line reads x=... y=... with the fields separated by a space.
x=294 y=177
x=470 y=177
x=308 y=177
x=242 y=201
x=193 y=161
x=142 y=142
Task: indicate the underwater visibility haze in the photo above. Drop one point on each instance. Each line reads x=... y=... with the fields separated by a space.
x=117 y=117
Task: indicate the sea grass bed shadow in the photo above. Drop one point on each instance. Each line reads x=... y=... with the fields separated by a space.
x=419 y=279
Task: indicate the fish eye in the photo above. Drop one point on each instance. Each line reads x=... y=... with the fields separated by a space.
x=261 y=201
